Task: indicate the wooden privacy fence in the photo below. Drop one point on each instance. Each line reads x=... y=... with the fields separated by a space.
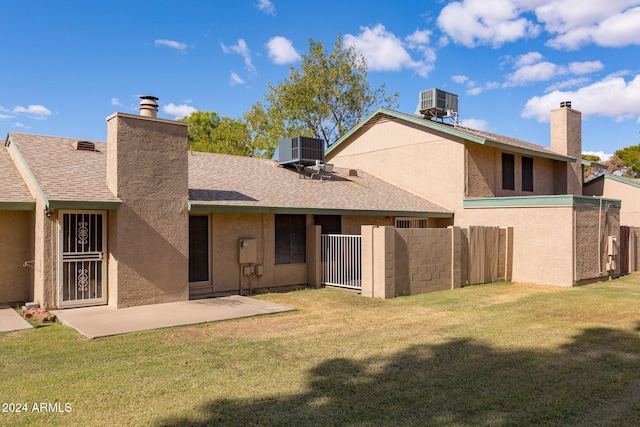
x=483 y=261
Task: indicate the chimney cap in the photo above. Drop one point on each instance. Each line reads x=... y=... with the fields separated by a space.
x=565 y=104
x=149 y=106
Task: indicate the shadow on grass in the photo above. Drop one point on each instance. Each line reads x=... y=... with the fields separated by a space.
x=593 y=380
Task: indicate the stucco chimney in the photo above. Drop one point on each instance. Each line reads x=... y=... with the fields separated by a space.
x=566 y=139
x=149 y=106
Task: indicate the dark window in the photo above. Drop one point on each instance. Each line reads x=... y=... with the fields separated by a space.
x=198 y=248
x=508 y=181
x=329 y=224
x=291 y=239
x=527 y=174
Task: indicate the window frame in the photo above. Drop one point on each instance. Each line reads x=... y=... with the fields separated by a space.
x=508 y=171
x=290 y=239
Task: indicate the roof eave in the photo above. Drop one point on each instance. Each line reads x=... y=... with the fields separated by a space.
x=209 y=207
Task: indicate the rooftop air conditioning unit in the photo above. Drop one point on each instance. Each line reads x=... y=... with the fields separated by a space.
x=300 y=149
x=438 y=103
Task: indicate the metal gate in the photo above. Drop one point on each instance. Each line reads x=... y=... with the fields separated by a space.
x=341 y=256
x=81 y=275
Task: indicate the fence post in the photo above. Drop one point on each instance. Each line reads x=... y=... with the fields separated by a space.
x=314 y=264
x=456 y=257
x=368 y=247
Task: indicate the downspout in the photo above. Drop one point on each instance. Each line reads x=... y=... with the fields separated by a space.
x=575 y=247
x=600 y=237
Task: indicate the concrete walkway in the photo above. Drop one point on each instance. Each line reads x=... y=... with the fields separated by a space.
x=10 y=320
x=102 y=321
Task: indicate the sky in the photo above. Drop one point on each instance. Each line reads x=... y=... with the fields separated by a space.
x=67 y=65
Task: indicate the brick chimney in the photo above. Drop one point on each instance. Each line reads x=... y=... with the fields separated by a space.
x=566 y=139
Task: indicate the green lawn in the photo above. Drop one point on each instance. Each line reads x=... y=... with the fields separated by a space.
x=497 y=354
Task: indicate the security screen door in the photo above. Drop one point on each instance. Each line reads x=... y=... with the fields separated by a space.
x=81 y=277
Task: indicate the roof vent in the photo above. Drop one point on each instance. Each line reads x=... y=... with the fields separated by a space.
x=83 y=146
x=301 y=150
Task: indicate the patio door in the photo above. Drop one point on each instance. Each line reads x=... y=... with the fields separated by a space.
x=82 y=266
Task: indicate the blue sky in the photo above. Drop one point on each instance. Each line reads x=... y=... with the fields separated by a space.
x=69 y=64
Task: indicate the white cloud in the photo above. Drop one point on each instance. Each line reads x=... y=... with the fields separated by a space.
x=528 y=59
x=38 y=112
x=586 y=67
x=474 y=22
x=281 y=51
x=116 y=102
x=243 y=50
x=569 y=24
x=235 y=79
x=475 y=90
x=478 y=124
x=384 y=51
x=266 y=6
x=459 y=78
x=172 y=44
x=178 y=111
x=612 y=97
x=567 y=83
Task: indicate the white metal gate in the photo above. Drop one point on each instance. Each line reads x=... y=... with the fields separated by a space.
x=341 y=260
x=81 y=275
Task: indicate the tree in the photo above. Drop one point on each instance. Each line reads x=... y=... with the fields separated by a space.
x=210 y=133
x=630 y=158
x=326 y=96
x=588 y=171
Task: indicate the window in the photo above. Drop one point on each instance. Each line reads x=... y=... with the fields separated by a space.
x=198 y=248
x=508 y=181
x=527 y=173
x=291 y=239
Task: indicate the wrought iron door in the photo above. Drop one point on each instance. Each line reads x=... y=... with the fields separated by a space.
x=82 y=266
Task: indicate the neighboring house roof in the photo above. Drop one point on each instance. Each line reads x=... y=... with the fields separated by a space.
x=67 y=178
x=14 y=193
x=220 y=182
x=629 y=181
x=473 y=135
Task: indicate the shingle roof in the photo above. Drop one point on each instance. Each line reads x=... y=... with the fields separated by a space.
x=231 y=182
x=12 y=187
x=479 y=137
x=63 y=173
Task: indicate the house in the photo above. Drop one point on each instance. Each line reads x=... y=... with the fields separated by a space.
x=560 y=237
x=617 y=187
x=140 y=220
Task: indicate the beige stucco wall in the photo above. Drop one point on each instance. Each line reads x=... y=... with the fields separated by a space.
x=16 y=235
x=542 y=240
x=352 y=224
x=405 y=155
x=149 y=234
x=226 y=230
x=566 y=138
x=628 y=194
x=484 y=177
x=45 y=275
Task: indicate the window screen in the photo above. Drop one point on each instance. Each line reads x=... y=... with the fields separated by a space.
x=508 y=181
x=291 y=239
x=329 y=224
x=527 y=174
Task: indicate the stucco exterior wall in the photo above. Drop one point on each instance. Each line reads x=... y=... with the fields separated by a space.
x=352 y=224
x=630 y=196
x=149 y=234
x=405 y=155
x=484 y=176
x=45 y=275
x=542 y=240
x=16 y=235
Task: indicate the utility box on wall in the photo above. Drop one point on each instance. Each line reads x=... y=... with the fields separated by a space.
x=247 y=251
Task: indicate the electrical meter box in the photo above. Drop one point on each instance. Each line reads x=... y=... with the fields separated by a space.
x=247 y=251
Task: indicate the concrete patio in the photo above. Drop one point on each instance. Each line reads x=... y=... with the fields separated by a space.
x=101 y=321
x=11 y=321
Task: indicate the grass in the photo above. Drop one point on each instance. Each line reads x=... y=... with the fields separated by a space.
x=496 y=354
